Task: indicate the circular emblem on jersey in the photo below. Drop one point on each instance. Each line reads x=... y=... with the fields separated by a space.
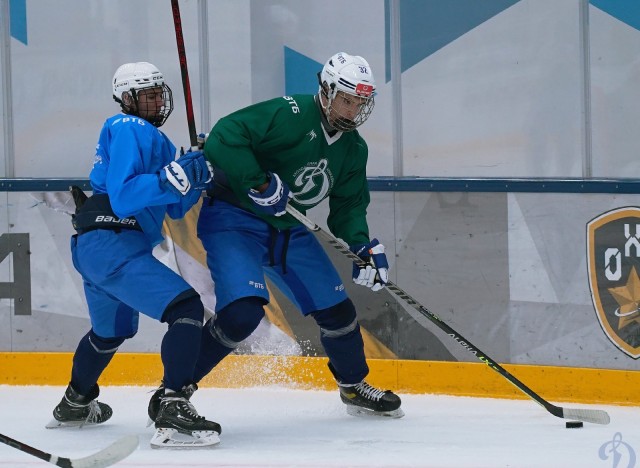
x=312 y=183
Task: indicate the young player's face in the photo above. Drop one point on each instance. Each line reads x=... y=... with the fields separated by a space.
x=150 y=103
x=348 y=106
x=345 y=109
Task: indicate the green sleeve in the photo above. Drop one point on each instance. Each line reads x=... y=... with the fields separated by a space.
x=233 y=140
x=349 y=199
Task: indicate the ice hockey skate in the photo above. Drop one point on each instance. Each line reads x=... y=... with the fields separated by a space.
x=364 y=400
x=178 y=425
x=75 y=410
x=156 y=398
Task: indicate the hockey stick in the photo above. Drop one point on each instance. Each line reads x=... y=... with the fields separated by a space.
x=586 y=415
x=182 y=56
x=108 y=456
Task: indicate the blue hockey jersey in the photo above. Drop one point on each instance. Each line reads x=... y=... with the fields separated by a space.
x=129 y=155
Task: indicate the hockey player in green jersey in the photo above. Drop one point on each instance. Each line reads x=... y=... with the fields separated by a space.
x=296 y=149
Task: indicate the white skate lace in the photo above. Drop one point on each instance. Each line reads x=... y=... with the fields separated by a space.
x=95 y=412
x=184 y=404
x=368 y=391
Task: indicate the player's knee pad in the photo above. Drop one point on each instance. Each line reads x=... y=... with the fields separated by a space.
x=338 y=320
x=189 y=311
x=235 y=322
x=105 y=345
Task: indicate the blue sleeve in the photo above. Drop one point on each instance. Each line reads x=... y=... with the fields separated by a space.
x=178 y=210
x=132 y=180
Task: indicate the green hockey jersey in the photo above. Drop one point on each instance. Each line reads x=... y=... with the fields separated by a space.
x=286 y=136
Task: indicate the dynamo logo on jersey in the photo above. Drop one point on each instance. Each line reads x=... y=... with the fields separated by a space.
x=312 y=183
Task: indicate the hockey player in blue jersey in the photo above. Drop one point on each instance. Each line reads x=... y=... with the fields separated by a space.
x=136 y=180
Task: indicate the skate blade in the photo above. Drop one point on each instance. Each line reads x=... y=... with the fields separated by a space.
x=55 y=424
x=166 y=438
x=368 y=413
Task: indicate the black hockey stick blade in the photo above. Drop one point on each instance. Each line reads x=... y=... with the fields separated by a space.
x=586 y=415
x=117 y=451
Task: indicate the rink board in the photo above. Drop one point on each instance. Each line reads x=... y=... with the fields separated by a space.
x=585 y=385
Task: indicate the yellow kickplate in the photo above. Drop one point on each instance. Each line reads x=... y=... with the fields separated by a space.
x=584 y=385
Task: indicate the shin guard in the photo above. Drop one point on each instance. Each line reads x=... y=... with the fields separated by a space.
x=342 y=341
x=91 y=358
x=181 y=344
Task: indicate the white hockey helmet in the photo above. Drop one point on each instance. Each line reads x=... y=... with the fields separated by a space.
x=131 y=78
x=351 y=76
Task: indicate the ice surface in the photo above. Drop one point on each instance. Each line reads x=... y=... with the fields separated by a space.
x=280 y=427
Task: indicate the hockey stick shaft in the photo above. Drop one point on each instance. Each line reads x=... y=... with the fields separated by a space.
x=587 y=415
x=114 y=453
x=27 y=449
x=182 y=56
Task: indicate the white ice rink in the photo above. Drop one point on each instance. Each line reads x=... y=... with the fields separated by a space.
x=276 y=427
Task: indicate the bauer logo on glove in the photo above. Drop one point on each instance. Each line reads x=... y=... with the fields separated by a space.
x=374 y=272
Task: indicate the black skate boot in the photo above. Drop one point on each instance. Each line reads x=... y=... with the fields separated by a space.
x=154 y=402
x=364 y=400
x=80 y=410
x=178 y=425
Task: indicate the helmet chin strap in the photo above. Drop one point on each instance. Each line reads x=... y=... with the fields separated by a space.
x=323 y=95
x=323 y=114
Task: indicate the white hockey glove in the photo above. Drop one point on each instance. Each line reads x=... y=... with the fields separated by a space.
x=190 y=171
x=375 y=273
x=273 y=201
